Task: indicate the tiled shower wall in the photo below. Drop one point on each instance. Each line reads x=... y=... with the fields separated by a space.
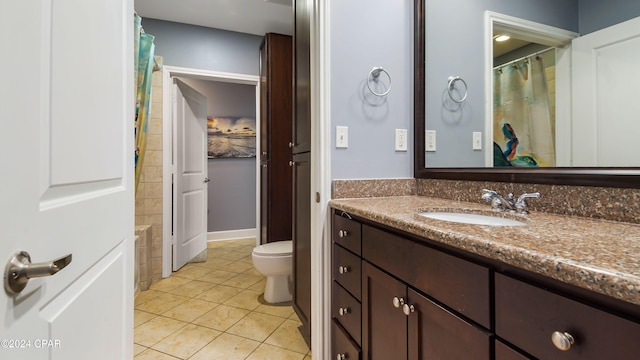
x=149 y=193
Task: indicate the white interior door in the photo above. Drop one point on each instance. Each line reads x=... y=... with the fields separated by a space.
x=66 y=139
x=606 y=74
x=190 y=162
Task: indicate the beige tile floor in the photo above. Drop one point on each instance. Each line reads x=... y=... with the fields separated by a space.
x=215 y=310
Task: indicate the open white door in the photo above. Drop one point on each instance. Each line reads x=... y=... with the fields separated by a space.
x=190 y=181
x=606 y=74
x=66 y=139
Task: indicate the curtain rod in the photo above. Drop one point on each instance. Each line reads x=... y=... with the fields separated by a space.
x=524 y=57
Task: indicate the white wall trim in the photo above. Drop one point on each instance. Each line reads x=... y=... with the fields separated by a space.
x=320 y=180
x=544 y=35
x=168 y=140
x=231 y=234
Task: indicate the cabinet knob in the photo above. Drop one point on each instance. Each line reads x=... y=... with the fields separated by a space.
x=291 y=163
x=343 y=311
x=397 y=302
x=291 y=144
x=342 y=233
x=562 y=340
x=343 y=269
x=408 y=309
x=341 y=357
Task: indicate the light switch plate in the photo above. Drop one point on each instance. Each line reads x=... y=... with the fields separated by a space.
x=401 y=139
x=342 y=137
x=430 y=140
x=477 y=140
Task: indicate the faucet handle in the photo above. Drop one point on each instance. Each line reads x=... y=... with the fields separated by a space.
x=488 y=194
x=521 y=204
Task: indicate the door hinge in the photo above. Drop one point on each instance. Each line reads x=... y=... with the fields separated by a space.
x=317 y=197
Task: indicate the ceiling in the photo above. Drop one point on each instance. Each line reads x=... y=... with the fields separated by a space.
x=256 y=17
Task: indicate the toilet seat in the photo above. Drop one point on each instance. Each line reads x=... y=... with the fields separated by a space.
x=278 y=248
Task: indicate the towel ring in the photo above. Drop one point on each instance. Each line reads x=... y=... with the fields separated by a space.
x=375 y=74
x=451 y=85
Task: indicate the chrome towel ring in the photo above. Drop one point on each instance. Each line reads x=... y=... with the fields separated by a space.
x=374 y=75
x=451 y=85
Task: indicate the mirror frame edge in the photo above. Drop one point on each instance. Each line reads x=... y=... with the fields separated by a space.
x=614 y=177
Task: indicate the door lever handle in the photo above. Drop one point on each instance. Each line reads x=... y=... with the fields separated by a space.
x=20 y=269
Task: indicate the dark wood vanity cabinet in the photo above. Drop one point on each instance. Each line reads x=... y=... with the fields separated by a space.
x=415 y=300
x=380 y=302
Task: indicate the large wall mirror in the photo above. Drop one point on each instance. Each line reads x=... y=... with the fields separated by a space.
x=551 y=132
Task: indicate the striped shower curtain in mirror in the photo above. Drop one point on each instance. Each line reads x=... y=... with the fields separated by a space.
x=523 y=124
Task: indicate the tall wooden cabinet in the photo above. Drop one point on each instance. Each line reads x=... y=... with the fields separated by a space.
x=301 y=149
x=276 y=106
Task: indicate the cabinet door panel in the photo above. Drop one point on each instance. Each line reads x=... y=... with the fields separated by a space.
x=435 y=333
x=384 y=327
x=526 y=316
x=462 y=285
x=302 y=241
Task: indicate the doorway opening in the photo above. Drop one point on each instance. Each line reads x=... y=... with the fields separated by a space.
x=547 y=37
x=198 y=78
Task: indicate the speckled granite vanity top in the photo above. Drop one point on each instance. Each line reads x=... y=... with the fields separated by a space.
x=599 y=255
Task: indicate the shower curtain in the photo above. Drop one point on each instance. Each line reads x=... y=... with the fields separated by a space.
x=523 y=126
x=144 y=49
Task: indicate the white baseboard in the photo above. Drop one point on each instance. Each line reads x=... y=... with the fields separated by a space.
x=231 y=234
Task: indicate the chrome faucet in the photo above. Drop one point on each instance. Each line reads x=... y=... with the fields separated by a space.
x=508 y=203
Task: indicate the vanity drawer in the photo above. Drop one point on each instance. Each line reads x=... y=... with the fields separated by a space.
x=527 y=316
x=347 y=311
x=503 y=352
x=460 y=284
x=347 y=269
x=347 y=233
x=341 y=344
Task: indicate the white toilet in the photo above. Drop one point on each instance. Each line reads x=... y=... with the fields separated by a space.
x=274 y=260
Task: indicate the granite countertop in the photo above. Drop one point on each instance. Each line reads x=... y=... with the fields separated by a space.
x=599 y=255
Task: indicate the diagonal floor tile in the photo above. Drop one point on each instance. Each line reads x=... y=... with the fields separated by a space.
x=227 y=347
x=247 y=299
x=219 y=294
x=162 y=303
x=155 y=330
x=256 y=326
x=287 y=336
x=266 y=351
x=221 y=318
x=186 y=341
x=189 y=310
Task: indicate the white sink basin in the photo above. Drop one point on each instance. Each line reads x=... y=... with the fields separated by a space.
x=476 y=219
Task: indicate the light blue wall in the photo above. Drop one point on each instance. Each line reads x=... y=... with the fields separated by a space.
x=364 y=34
x=455 y=47
x=232 y=189
x=598 y=14
x=204 y=48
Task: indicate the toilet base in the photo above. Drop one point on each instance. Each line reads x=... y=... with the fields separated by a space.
x=278 y=289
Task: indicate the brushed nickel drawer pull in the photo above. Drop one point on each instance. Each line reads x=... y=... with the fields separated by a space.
x=408 y=309
x=342 y=233
x=343 y=311
x=397 y=302
x=343 y=269
x=562 y=340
